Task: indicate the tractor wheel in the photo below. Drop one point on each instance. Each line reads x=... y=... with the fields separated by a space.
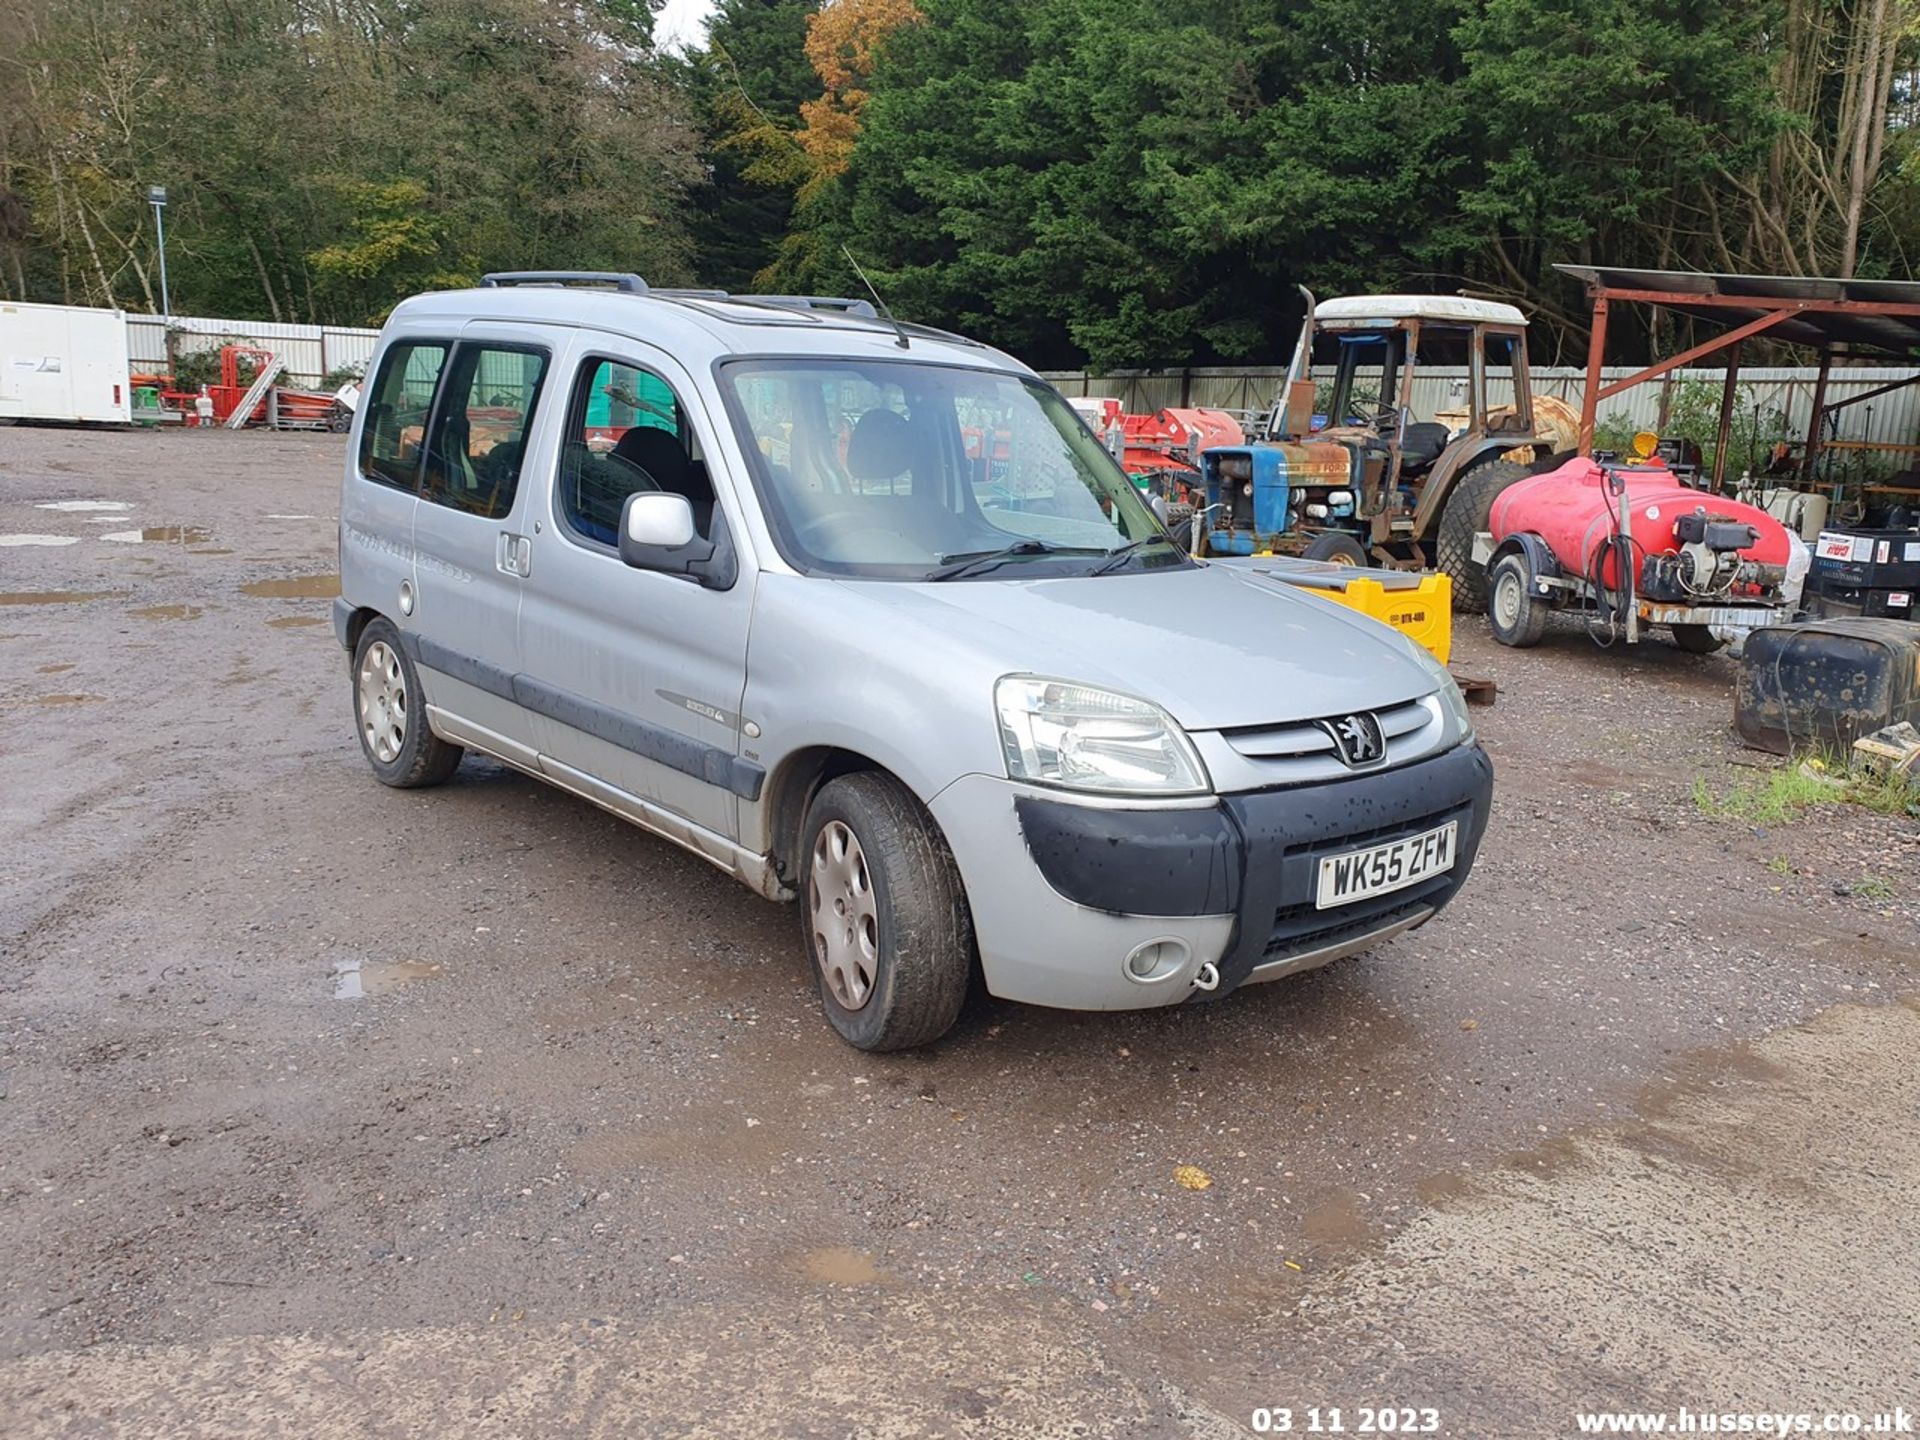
x=1696 y=639
x=1517 y=616
x=1338 y=547
x=1464 y=517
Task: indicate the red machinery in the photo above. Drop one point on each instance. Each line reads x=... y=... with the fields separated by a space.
x=1708 y=568
x=230 y=392
x=1161 y=452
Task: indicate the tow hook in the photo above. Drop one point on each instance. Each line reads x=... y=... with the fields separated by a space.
x=1207 y=977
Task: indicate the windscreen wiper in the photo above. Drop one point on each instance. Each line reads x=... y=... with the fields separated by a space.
x=1117 y=558
x=960 y=565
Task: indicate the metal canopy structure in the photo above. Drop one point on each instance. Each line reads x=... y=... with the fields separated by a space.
x=1878 y=318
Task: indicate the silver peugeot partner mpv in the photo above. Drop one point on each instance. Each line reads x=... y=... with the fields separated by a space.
x=862 y=613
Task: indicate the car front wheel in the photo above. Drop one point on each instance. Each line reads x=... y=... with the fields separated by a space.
x=885 y=913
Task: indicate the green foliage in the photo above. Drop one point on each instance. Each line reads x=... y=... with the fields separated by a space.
x=1134 y=183
x=747 y=86
x=1786 y=793
x=1756 y=428
x=201 y=366
x=321 y=161
x=1117 y=181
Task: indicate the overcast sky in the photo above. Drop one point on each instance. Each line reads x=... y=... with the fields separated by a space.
x=682 y=22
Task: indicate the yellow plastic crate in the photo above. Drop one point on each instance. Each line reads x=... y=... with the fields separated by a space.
x=1423 y=611
x=1418 y=605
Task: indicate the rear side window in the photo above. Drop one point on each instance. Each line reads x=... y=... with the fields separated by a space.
x=478 y=446
x=401 y=400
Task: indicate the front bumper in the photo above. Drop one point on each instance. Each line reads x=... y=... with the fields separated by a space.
x=1062 y=890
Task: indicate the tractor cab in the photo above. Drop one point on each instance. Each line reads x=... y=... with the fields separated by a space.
x=1390 y=402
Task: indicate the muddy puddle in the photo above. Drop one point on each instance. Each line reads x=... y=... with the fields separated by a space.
x=57 y=597
x=169 y=612
x=296 y=622
x=55 y=669
x=359 y=979
x=842 y=1265
x=161 y=535
x=69 y=699
x=295 y=587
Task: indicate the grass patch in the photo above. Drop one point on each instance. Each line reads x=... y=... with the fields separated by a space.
x=1785 y=794
x=1873 y=887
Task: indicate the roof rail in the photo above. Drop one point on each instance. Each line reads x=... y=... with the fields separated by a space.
x=838 y=303
x=626 y=283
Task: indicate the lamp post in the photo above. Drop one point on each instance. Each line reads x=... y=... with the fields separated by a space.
x=157 y=197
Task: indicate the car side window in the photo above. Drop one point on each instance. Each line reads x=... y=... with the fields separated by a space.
x=626 y=431
x=401 y=399
x=478 y=446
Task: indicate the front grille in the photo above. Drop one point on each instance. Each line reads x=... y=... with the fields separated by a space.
x=1307 y=737
x=1400 y=829
x=1300 y=928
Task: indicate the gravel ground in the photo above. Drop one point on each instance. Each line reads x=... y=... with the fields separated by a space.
x=332 y=1109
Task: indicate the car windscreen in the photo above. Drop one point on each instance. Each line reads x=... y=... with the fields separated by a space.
x=898 y=469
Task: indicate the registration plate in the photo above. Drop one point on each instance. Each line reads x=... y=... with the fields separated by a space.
x=1383 y=868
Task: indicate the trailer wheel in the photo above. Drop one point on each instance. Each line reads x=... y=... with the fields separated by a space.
x=1696 y=639
x=1466 y=514
x=1515 y=612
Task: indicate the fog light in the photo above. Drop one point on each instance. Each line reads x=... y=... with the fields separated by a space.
x=1157 y=959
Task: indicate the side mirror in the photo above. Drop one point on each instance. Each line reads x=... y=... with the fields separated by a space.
x=657 y=533
x=655 y=519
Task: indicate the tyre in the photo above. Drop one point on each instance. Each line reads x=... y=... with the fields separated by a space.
x=885 y=914
x=1517 y=616
x=1696 y=639
x=1338 y=547
x=390 y=714
x=1465 y=516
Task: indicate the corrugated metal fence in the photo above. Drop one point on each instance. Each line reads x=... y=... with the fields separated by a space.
x=1891 y=419
x=308 y=351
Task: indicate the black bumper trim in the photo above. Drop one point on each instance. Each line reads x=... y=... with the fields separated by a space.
x=1135 y=862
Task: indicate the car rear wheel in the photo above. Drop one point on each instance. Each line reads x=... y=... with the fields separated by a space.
x=885 y=913
x=1515 y=612
x=390 y=714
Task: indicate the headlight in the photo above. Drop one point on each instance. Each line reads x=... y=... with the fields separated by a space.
x=1453 y=713
x=1081 y=738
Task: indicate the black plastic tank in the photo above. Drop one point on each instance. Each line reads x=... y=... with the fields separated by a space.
x=1822 y=684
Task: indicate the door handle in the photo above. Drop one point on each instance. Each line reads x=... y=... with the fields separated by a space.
x=516 y=555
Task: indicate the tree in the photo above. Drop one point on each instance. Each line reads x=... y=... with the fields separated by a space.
x=747 y=83
x=314 y=149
